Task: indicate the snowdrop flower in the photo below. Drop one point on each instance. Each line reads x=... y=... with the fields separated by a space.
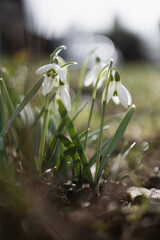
x=27 y=115
x=118 y=92
x=63 y=94
x=91 y=76
x=53 y=74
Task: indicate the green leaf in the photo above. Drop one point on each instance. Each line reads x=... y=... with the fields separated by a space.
x=59 y=131
x=26 y=99
x=115 y=139
x=10 y=111
x=72 y=152
x=92 y=136
x=68 y=64
x=54 y=158
x=76 y=141
x=82 y=135
x=103 y=148
x=10 y=106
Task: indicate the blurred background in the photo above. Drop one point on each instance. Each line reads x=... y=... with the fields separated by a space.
x=40 y=26
x=128 y=32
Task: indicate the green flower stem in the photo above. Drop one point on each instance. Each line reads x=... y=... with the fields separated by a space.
x=100 y=74
x=101 y=127
x=43 y=135
x=89 y=121
x=56 y=52
x=68 y=64
x=99 y=146
x=53 y=142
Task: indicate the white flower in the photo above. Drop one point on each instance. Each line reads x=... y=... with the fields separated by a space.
x=119 y=94
x=91 y=76
x=63 y=94
x=52 y=73
x=27 y=115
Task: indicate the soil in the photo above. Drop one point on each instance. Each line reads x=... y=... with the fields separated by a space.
x=46 y=210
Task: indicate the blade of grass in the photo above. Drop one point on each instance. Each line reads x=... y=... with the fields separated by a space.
x=26 y=99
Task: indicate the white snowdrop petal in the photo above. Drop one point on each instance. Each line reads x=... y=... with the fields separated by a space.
x=129 y=97
x=43 y=69
x=89 y=78
x=116 y=100
x=30 y=114
x=47 y=85
x=67 y=87
x=54 y=66
x=65 y=97
x=99 y=85
x=61 y=75
x=122 y=94
x=110 y=91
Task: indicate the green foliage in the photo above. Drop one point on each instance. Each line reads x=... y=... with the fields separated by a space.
x=52 y=139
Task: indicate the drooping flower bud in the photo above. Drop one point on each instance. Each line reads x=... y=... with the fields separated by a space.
x=117 y=76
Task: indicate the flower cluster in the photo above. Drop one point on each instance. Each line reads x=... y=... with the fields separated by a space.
x=118 y=92
x=54 y=76
x=91 y=76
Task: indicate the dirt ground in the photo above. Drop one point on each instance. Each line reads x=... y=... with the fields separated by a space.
x=33 y=209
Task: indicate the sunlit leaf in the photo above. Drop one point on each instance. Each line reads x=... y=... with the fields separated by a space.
x=115 y=139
